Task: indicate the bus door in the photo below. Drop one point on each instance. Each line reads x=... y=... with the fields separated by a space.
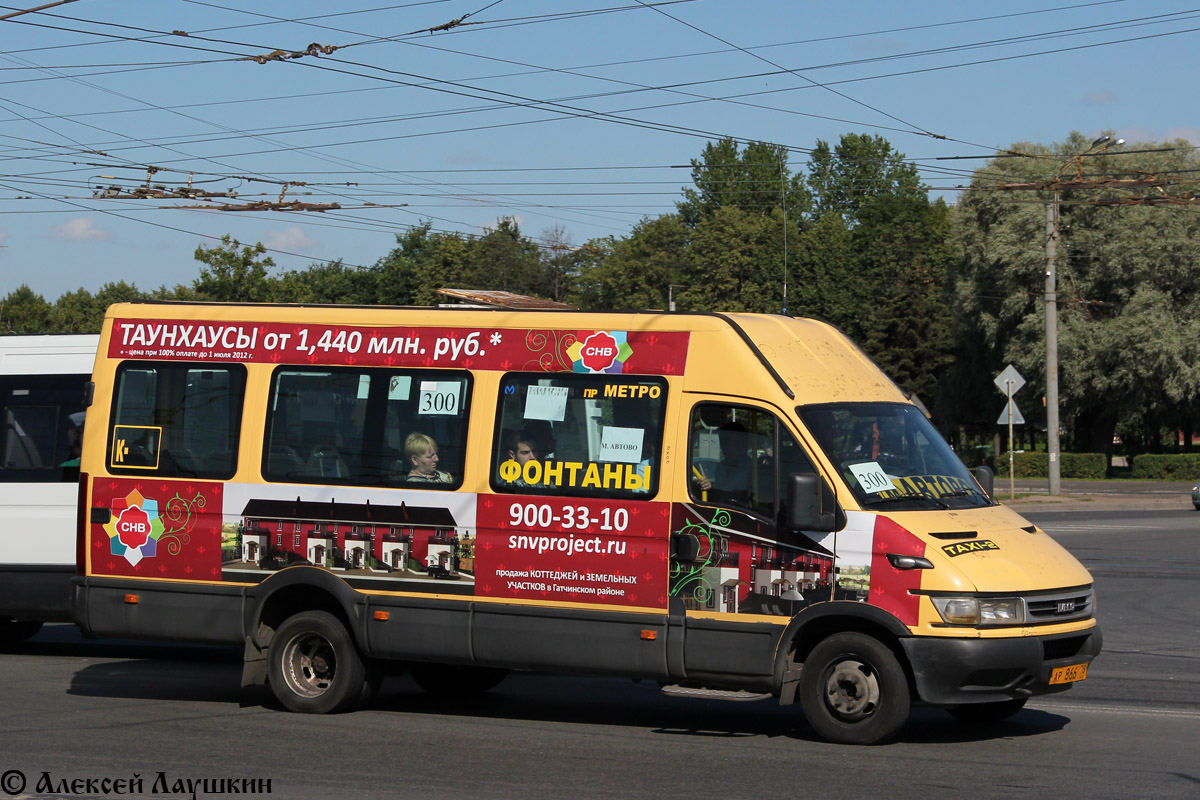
x=732 y=565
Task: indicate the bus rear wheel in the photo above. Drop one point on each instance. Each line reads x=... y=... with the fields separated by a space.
x=315 y=667
x=853 y=690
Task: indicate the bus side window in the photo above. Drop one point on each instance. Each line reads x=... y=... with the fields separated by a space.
x=579 y=435
x=741 y=457
x=349 y=426
x=43 y=427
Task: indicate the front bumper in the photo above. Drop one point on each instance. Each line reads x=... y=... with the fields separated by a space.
x=957 y=671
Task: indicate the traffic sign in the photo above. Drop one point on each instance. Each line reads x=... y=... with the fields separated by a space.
x=1017 y=419
x=1009 y=381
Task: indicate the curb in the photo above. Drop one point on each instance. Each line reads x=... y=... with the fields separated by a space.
x=1095 y=502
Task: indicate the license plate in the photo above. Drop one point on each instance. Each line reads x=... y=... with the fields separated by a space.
x=1075 y=672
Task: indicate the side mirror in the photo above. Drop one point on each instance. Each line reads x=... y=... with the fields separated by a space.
x=986 y=478
x=812 y=504
x=684 y=548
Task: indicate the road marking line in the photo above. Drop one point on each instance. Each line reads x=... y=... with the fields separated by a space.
x=1122 y=710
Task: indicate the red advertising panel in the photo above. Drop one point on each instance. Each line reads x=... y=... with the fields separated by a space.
x=157 y=529
x=505 y=349
x=572 y=550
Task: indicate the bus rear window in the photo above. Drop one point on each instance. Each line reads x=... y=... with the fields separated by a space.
x=176 y=420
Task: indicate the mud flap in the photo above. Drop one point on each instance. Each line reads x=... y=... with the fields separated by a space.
x=254 y=664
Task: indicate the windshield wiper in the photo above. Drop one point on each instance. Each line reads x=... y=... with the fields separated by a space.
x=898 y=497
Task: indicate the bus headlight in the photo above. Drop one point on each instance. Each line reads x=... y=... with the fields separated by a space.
x=980 y=611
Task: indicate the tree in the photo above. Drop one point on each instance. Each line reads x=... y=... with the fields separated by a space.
x=561 y=262
x=505 y=260
x=25 y=311
x=755 y=180
x=82 y=312
x=233 y=272
x=734 y=263
x=875 y=260
x=327 y=283
x=860 y=168
x=1128 y=287
x=637 y=271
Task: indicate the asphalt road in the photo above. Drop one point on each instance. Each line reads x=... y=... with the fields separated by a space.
x=93 y=710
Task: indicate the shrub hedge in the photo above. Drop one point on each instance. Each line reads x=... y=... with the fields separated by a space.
x=1076 y=466
x=1176 y=466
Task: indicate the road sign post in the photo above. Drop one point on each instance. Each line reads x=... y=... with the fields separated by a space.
x=1009 y=381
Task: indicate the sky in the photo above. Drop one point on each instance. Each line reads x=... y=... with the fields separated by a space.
x=575 y=119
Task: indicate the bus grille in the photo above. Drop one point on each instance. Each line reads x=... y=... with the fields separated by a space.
x=1060 y=606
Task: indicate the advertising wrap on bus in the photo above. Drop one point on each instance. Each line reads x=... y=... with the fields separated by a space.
x=733 y=505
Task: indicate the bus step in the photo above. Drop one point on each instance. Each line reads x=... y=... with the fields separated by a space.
x=676 y=690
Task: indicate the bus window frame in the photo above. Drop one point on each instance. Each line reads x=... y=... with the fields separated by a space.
x=376 y=427
x=239 y=381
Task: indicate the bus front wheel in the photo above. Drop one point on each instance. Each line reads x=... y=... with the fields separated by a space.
x=853 y=690
x=315 y=667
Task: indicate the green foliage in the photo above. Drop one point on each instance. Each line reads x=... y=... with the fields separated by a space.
x=755 y=180
x=79 y=311
x=1128 y=290
x=941 y=299
x=233 y=273
x=875 y=261
x=862 y=168
x=1166 y=466
x=1075 y=466
x=25 y=311
x=504 y=259
x=326 y=283
x=734 y=263
x=638 y=271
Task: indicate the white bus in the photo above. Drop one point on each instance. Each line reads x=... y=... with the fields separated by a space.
x=42 y=384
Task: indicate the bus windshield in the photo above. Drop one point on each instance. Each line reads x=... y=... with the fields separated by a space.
x=890 y=455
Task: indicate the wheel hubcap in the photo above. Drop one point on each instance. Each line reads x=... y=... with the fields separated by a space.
x=852 y=690
x=310 y=665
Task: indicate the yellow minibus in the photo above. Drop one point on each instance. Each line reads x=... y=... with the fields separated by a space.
x=734 y=505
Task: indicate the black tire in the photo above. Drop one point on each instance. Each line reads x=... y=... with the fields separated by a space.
x=315 y=667
x=448 y=682
x=987 y=712
x=15 y=631
x=853 y=690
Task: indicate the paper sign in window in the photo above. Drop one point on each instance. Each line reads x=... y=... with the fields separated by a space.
x=623 y=445
x=399 y=387
x=871 y=477
x=438 y=397
x=546 y=402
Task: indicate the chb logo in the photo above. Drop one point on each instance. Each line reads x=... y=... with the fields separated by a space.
x=134 y=530
x=601 y=351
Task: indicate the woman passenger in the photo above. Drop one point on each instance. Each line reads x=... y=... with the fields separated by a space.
x=421 y=451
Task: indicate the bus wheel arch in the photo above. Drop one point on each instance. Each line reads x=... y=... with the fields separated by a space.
x=285 y=596
x=850 y=675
